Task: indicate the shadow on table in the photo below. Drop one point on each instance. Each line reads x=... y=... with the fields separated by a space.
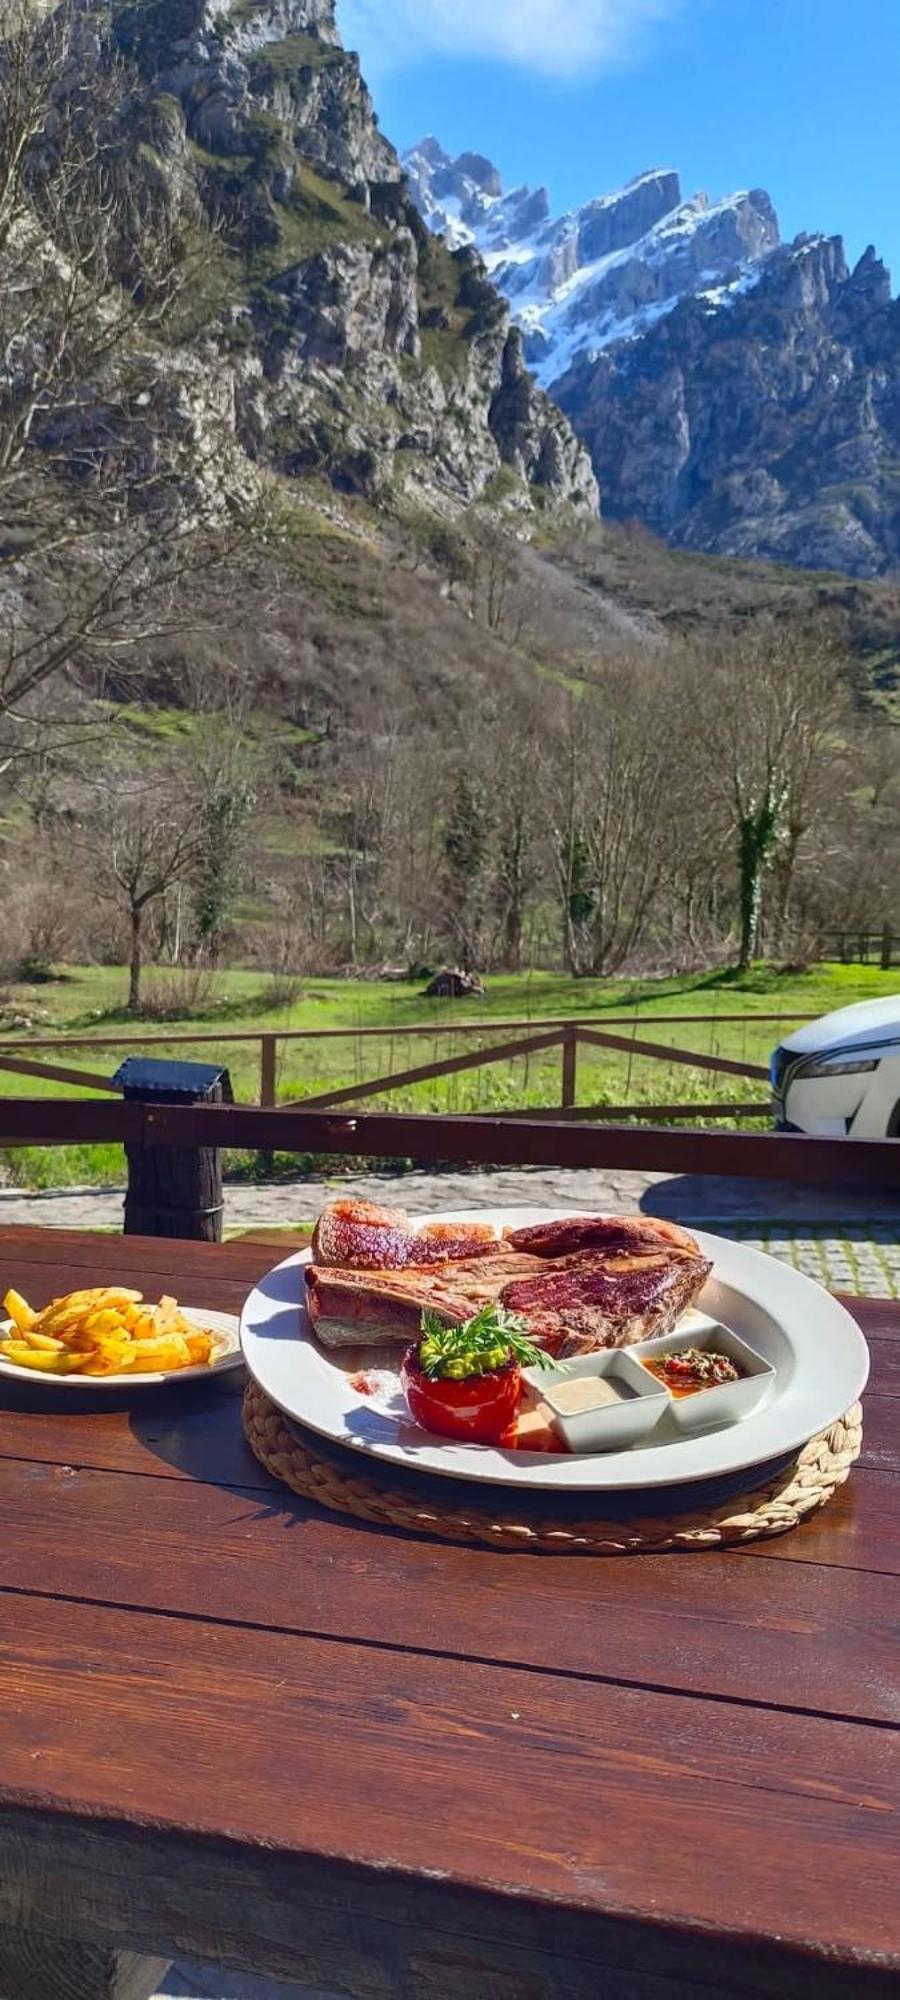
x=196 y=1427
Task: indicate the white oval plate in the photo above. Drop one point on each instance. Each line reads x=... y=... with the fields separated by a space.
x=820 y=1357
x=227 y=1354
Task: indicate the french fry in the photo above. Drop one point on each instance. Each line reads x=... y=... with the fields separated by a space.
x=152 y=1357
x=200 y=1348
x=58 y=1317
x=19 y=1311
x=34 y=1357
x=43 y=1341
x=107 y=1319
x=109 y=1358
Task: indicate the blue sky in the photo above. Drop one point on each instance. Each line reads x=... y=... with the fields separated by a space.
x=801 y=97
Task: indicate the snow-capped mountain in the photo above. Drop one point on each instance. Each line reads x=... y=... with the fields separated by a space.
x=737 y=394
x=604 y=272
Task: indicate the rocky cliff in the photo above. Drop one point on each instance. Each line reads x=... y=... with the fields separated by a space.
x=737 y=395
x=768 y=425
x=356 y=346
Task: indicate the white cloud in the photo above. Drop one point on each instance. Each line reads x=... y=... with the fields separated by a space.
x=556 y=37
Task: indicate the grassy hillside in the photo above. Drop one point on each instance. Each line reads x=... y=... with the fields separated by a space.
x=706 y=597
x=88 y=1002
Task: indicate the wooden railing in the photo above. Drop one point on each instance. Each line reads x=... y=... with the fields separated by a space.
x=183 y=1139
x=534 y=1036
x=430 y=1138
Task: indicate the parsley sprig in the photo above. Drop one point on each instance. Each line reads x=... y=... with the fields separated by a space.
x=482 y=1344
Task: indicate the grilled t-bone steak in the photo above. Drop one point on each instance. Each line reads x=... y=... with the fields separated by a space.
x=362 y=1306
x=608 y=1234
x=585 y=1283
x=365 y=1237
x=609 y=1303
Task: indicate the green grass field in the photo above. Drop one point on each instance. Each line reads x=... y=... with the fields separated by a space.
x=88 y=1001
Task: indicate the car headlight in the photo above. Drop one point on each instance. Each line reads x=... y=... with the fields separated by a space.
x=837 y=1066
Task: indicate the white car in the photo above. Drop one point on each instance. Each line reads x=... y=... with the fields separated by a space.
x=841 y=1074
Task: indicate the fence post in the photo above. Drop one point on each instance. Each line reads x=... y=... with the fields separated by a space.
x=268 y=1049
x=887 y=948
x=268 y=1071
x=569 y=1067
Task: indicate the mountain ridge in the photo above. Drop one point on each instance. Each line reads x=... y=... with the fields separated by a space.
x=738 y=394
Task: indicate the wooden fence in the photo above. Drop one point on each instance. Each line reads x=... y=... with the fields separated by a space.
x=529 y=1037
x=866 y=947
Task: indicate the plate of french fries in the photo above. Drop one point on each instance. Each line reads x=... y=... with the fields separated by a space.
x=109 y=1334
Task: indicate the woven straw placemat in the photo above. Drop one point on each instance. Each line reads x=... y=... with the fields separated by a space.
x=714 y=1516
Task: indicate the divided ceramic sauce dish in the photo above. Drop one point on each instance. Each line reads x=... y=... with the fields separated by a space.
x=611 y=1400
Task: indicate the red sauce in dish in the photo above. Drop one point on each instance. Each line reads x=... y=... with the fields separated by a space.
x=693 y=1369
x=363 y=1385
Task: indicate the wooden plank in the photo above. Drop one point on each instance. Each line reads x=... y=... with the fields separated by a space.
x=879 y=1318
x=778 y=1156
x=627 y=1794
x=34 y=1968
x=438 y=1026
x=686 y=1627
x=494 y=1141
x=885 y=1352
x=57 y=1120
x=881 y=1434
x=449 y=1066
x=125 y=1255
x=569 y=1090
x=331 y=1923
x=722 y=1065
x=53 y=1073
x=192 y=1433
x=186 y=1432
x=859 y=1529
x=599 y=1114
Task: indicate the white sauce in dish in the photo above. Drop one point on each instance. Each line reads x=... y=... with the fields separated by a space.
x=588 y=1392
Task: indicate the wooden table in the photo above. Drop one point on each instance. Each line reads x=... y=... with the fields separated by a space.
x=236 y=1727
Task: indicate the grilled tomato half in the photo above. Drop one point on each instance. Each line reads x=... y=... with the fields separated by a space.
x=464 y=1382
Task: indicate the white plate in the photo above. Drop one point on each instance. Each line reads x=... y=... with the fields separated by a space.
x=226 y=1354
x=820 y=1358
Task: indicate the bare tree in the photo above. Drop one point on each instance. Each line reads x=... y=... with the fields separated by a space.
x=613 y=772
x=774 y=710
x=517 y=819
x=466 y=844
x=140 y=830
